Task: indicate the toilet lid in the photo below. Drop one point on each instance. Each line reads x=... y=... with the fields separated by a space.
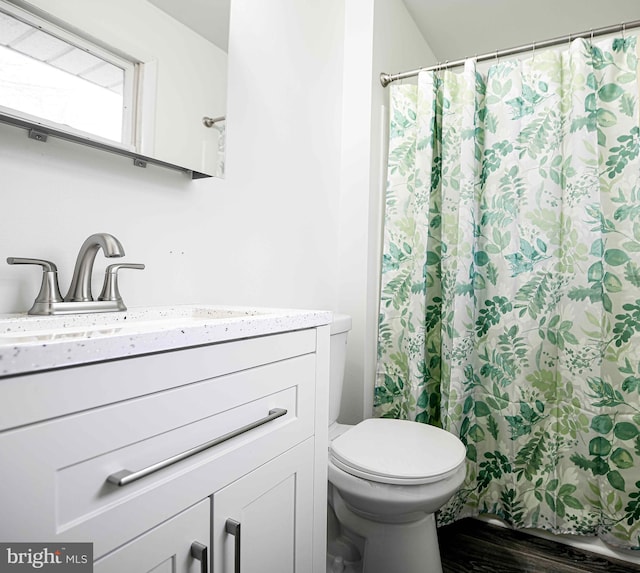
x=397 y=451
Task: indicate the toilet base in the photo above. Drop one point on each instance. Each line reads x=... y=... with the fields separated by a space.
x=344 y=554
x=404 y=547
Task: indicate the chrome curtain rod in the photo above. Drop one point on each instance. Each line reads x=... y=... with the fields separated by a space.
x=386 y=79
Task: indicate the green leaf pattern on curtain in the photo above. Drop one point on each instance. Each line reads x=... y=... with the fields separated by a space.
x=510 y=297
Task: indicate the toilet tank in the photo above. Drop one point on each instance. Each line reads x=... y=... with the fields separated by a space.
x=340 y=327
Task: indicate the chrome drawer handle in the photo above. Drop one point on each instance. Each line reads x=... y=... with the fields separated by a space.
x=232 y=527
x=201 y=553
x=124 y=477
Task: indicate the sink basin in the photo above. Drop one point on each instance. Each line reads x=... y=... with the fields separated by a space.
x=23 y=329
x=34 y=343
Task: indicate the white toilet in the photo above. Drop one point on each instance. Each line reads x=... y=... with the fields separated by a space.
x=386 y=479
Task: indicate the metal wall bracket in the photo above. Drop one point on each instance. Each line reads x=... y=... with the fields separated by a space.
x=38 y=135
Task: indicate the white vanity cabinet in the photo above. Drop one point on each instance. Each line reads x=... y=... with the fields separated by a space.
x=209 y=436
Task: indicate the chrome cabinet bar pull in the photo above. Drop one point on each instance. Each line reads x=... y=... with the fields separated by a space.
x=232 y=527
x=201 y=553
x=124 y=477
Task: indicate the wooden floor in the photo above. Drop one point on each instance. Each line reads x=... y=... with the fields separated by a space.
x=470 y=545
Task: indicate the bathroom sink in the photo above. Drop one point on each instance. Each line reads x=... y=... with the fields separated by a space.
x=22 y=329
x=32 y=343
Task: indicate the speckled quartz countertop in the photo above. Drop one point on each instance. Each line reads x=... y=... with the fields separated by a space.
x=31 y=344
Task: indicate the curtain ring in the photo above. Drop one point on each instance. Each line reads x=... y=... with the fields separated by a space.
x=624 y=29
x=533 y=51
x=591 y=37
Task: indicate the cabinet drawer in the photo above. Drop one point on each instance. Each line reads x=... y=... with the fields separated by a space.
x=57 y=487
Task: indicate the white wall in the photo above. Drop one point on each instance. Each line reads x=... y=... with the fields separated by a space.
x=380 y=36
x=295 y=223
x=276 y=219
x=266 y=235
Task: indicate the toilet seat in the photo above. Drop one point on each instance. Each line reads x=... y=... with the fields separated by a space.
x=397 y=452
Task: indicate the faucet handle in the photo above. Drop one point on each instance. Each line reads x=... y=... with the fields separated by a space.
x=47 y=266
x=49 y=290
x=110 y=291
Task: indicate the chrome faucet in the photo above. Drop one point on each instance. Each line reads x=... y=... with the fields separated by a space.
x=80 y=289
x=79 y=298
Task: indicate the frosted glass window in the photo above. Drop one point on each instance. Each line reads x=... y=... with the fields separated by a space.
x=69 y=85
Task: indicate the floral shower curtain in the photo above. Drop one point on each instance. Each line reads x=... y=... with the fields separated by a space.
x=510 y=301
